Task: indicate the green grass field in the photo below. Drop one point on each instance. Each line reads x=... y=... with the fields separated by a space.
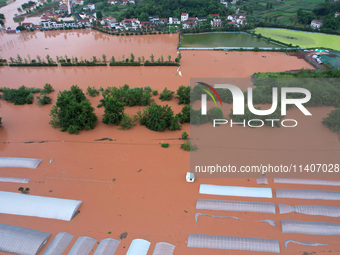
x=212 y=40
x=303 y=39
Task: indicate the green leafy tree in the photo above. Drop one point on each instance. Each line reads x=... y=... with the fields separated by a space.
x=156 y=117
x=113 y=110
x=183 y=94
x=166 y=95
x=73 y=112
x=99 y=15
x=333 y=121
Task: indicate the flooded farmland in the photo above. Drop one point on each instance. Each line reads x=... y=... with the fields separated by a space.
x=132 y=184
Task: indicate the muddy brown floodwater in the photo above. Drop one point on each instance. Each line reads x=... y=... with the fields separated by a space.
x=86 y=43
x=149 y=198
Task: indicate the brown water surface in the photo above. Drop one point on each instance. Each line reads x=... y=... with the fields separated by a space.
x=144 y=191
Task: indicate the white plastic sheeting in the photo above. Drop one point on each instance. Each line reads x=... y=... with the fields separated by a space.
x=15 y=180
x=240 y=206
x=233 y=243
x=308 y=194
x=19 y=162
x=270 y=222
x=44 y=207
x=331 y=211
x=138 y=247
x=307 y=181
x=215 y=216
x=59 y=244
x=83 y=246
x=235 y=191
x=310 y=228
x=262 y=180
x=286 y=242
x=164 y=249
x=107 y=247
x=23 y=241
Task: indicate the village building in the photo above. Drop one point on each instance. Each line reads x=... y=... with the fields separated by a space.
x=174 y=20
x=316 y=24
x=91 y=6
x=59 y=25
x=112 y=2
x=130 y=24
x=189 y=24
x=163 y=21
x=27 y=25
x=216 y=22
x=184 y=17
x=109 y=21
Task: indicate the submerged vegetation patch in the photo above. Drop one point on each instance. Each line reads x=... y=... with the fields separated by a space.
x=24 y=95
x=73 y=112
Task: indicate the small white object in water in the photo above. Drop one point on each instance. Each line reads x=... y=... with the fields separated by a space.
x=180 y=73
x=51 y=160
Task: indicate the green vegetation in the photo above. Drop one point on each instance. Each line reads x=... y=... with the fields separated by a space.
x=92 y=91
x=41 y=9
x=0 y=121
x=183 y=94
x=73 y=112
x=113 y=110
x=165 y=8
x=276 y=12
x=164 y=145
x=213 y=113
x=158 y=118
x=126 y=61
x=18 y=19
x=333 y=121
x=28 y=5
x=130 y=97
x=187 y=146
x=3 y=3
x=184 y=115
x=303 y=39
x=166 y=95
x=24 y=190
x=44 y=99
x=185 y=135
x=324 y=92
x=155 y=92
x=20 y=96
x=48 y=88
x=19 y=61
x=127 y=122
x=211 y=40
x=94 y=61
x=174 y=123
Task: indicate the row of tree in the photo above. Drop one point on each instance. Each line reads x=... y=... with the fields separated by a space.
x=94 y=61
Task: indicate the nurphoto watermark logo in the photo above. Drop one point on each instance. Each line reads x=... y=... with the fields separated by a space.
x=262 y=126
x=238 y=99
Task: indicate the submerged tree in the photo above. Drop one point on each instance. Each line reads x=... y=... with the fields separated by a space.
x=114 y=110
x=73 y=112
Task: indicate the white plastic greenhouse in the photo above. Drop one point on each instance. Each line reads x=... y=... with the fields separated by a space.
x=44 y=207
